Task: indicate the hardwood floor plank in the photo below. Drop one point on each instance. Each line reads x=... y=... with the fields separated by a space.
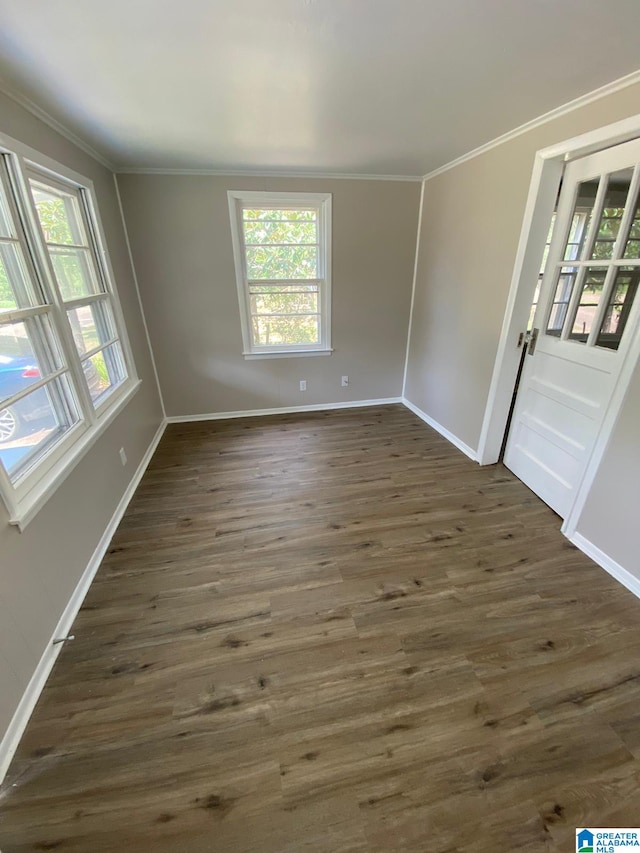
x=332 y=632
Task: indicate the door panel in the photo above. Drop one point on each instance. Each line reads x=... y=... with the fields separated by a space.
x=572 y=431
x=587 y=315
x=551 y=459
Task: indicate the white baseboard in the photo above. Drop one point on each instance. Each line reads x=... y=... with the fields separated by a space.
x=616 y=571
x=283 y=410
x=444 y=432
x=321 y=407
x=21 y=717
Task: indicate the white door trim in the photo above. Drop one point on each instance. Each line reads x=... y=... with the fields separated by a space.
x=545 y=181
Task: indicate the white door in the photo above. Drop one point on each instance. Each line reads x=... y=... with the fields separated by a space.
x=585 y=321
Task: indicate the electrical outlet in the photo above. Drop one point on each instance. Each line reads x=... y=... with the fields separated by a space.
x=303 y=384
x=345 y=381
x=123 y=456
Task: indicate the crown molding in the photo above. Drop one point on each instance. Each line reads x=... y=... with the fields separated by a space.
x=557 y=112
x=252 y=173
x=30 y=106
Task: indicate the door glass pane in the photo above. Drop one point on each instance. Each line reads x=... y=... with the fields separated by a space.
x=534 y=304
x=561 y=299
x=30 y=427
x=545 y=254
x=584 y=318
x=615 y=319
x=632 y=248
x=581 y=219
x=611 y=216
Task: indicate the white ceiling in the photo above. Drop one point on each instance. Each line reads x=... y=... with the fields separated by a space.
x=389 y=87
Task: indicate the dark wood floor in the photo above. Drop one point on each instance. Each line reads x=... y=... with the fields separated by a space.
x=333 y=633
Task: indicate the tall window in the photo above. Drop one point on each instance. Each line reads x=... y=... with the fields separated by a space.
x=66 y=228
x=64 y=363
x=282 y=254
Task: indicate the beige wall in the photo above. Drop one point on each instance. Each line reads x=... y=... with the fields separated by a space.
x=472 y=215
x=181 y=240
x=471 y=220
x=40 y=567
x=610 y=517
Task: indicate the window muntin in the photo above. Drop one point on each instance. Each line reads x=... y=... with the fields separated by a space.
x=104 y=371
x=62 y=350
x=281 y=250
x=36 y=398
x=561 y=299
x=586 y=310
x=50 y=405
x=64 y=233
x=66 y=230
x=613 y=207
x=580 y=229
x=632 y=246
x=594 y=296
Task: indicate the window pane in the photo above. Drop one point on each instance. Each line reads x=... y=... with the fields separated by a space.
x=19 y=366
x=301 y=302
x=581 y=219
x=615 y=319
x=27 y=355
x=611 y=217
x=30 y=427
x=74 y=273
x=275 y=213
x=632 y=248
x=16 y=289
x=564 y=289
x=286 y=262
x=275 y=331
x=91 y=326
x=6 y=225
x=59 y=215
x=280 y=232
x=103 y=372
x=592 y=289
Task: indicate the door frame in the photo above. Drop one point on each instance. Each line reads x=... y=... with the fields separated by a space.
x=546 y=175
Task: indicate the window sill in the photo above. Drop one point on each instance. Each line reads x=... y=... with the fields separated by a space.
x=38 y=496
x=286 y=353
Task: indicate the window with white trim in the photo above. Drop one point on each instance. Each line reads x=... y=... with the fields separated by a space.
x=282 y=251
x=65 y=364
